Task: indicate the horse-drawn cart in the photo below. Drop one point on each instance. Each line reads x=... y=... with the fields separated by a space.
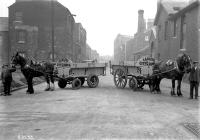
x=77 y=73
x=137 y=74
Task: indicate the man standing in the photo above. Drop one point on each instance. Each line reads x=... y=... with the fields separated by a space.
x=6 y=76
x=194 y=79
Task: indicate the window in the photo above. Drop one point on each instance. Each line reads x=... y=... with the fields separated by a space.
x=21 y=36
x=18 y=17
x=183 y=33
x=159 y=30
x=166 y=28
x=146 y=38
x=174 y=28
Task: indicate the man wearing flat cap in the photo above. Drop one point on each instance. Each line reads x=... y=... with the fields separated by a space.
x=194 y=79
x=6 y=76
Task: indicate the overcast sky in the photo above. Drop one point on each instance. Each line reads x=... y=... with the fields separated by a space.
x=103 y=19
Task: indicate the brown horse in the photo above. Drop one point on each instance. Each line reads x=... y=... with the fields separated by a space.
x=31 y=70
x=171 y=69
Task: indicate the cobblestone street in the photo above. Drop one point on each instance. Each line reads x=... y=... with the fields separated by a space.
x=94 y=113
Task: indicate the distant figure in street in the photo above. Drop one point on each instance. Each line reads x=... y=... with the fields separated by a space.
x=49 y=68
x=6 y=76
x=194 y=79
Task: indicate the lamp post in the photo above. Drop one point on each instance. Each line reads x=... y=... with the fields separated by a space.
x=52 y=29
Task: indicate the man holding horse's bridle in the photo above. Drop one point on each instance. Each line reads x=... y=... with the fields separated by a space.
x=194 y=79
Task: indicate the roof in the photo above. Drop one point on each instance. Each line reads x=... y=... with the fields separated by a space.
x=3 y=23
x=45 y=2
x=170 y=6
x=185 y=9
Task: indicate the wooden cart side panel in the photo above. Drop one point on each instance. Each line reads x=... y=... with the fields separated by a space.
x=88 y=65
x=87 y=71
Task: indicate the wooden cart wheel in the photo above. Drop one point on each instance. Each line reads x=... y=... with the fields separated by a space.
x=62 y=83
x=92 y=81
x=133 y=84
x=76 y=83
x=82 y=80
x=120 y=78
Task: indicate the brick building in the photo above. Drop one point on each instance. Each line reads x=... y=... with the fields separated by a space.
x=88 y=52
x=120 y=46
x=139 y=45
x=4 y=49
x=178 y=25
x=169 y=31
x=94 y=55
x=30 y=29
x=80 y=36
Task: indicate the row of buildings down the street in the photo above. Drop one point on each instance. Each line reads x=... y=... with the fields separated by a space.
x=176 y=28
x=42 y=29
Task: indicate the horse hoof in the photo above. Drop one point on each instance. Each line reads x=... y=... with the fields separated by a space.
x=52 y=89
x=180 y=95
x=28 y=92
x=47 y=89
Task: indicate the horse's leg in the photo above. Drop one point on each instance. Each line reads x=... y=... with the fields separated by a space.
x=52 y=82
x=152 y=85
x=158 y=86
x=31 y=85
x=179 y=88
x=48 y=82
x=173 y=87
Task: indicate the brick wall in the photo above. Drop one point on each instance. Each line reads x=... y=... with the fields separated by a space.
x=38 y=14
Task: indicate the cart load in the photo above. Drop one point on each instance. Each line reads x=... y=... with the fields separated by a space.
x=136 y=73
x=77 y=73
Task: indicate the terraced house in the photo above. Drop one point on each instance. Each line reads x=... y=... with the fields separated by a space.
x=178 y=28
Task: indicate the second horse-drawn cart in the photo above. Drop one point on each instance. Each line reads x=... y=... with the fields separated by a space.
x=77 y=73
x=137 y=74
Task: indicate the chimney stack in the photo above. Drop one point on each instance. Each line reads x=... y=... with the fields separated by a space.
x=141 y=22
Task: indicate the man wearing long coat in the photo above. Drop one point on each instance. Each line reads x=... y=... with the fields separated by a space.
x=6 y=76
x=194 y=79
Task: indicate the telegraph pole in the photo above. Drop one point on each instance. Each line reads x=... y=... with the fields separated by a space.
x=52 y=29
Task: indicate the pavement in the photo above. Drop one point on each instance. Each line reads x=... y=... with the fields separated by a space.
x=105 y=112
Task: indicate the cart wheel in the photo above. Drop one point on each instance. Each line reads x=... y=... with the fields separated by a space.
x=82 y=80
x=120 y=78
x=62 y=83
x=76 y=83
x=133 y=84
x=92 y=81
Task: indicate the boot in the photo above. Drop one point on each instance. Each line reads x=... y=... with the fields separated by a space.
x=47 y=88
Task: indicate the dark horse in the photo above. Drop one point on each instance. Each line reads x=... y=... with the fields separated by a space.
x=31 y=69
x=171 y=69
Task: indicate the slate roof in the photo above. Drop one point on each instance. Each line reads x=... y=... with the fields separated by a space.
x=170 y=4
x=186 y=9
x=170 y=7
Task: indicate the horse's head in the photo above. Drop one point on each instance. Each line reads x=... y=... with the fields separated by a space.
x=17 y=59
x=184 y=62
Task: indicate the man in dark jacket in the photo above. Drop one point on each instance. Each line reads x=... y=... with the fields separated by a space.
x=6 y=76
x=194 y=79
